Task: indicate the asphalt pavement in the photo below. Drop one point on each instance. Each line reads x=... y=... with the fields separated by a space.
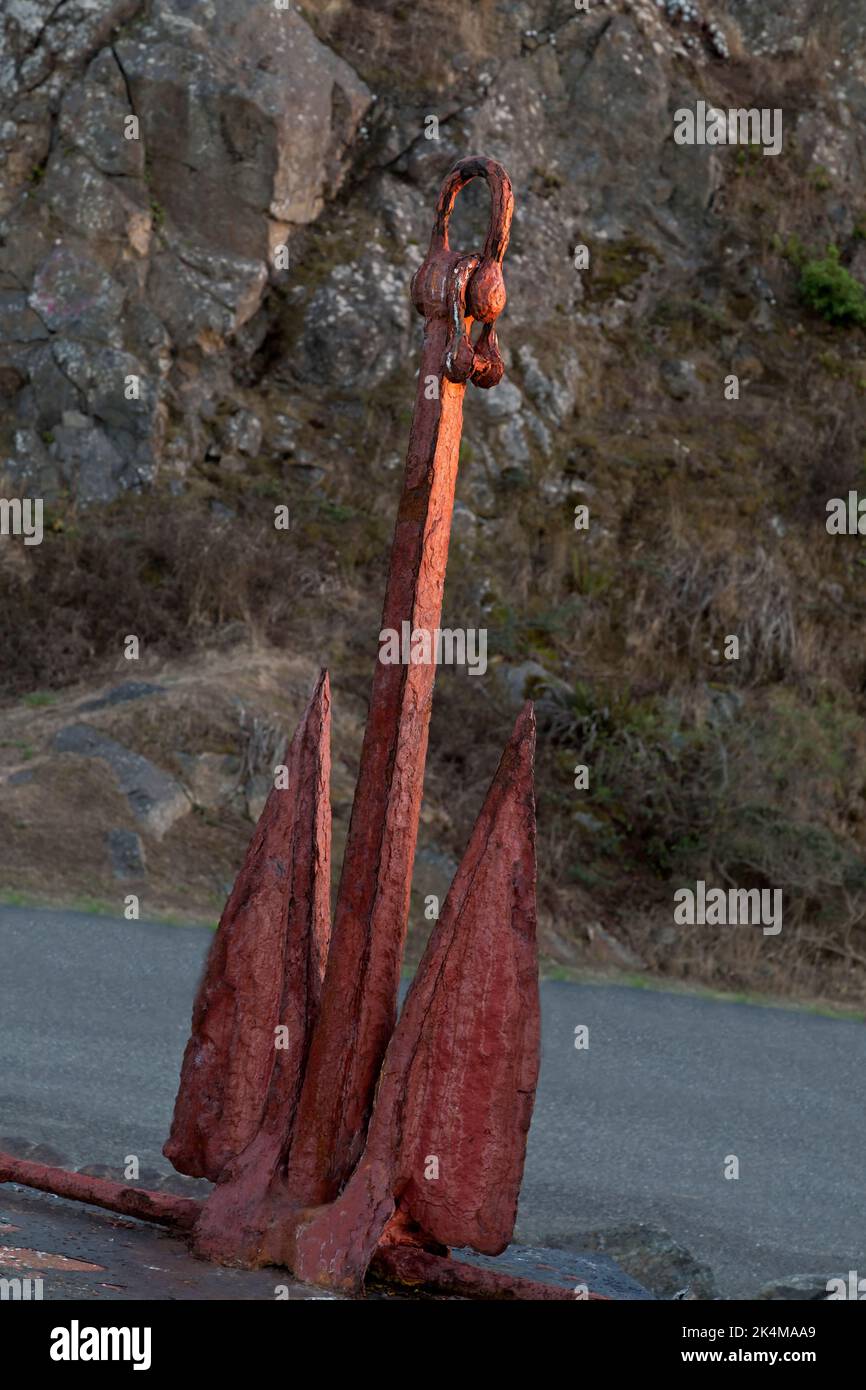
x=642 y=1125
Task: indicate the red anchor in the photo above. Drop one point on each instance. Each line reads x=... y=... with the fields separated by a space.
x=341 y=1140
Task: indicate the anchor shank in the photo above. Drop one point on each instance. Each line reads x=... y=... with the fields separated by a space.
x=359 y=998
x=360 y=989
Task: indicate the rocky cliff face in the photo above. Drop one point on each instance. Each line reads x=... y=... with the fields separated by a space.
x=158 y=154
x=154 y=158
x=210 y=213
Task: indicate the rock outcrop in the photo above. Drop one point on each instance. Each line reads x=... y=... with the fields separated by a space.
x=159 y=164
x=153 y=162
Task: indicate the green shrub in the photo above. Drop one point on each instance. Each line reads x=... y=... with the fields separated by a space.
x=828 y=288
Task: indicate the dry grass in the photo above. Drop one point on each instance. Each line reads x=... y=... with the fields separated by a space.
x=700 y=596
x=174 y=575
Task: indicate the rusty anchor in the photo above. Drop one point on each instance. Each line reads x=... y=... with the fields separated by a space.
x=341 y=1140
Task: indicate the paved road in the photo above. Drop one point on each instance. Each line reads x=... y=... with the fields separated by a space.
x=94 y=1016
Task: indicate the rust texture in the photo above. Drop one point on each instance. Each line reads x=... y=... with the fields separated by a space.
x=415 y=1268
x=340 y=1143
x=360 y=993
x=264 y=970
x=448 y=1134
x=178 y=1212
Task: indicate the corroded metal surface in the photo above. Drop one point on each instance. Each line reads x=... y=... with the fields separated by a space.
x=144 y=1261
x=179 y=1212
x=411 y=1267
x=336 y=1139
x=447 y=1139
x=264 y=971
x=360 y=994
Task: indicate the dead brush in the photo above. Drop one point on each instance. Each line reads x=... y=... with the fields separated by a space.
x=697 y=598
x=262 y=745
x=175 y=577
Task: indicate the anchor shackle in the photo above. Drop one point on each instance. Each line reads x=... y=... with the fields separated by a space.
x=468 y=288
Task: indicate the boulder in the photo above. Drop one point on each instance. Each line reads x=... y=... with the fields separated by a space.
x=155 y=798
x=648 y=1254
x=124 y=251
